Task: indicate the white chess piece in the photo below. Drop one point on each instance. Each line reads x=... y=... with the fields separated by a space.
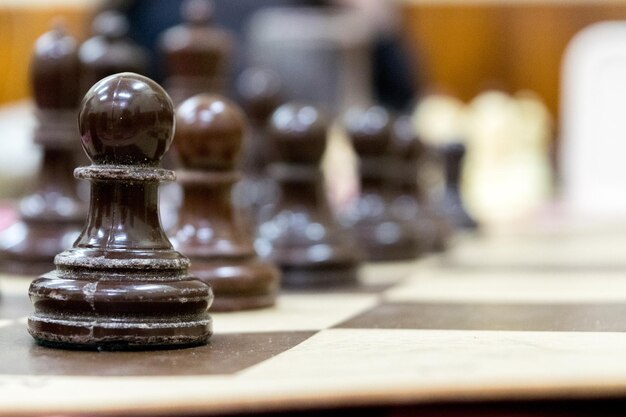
x=593 y=116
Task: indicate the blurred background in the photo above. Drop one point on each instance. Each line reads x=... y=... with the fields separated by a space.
x=491 y=74
x=460 y=47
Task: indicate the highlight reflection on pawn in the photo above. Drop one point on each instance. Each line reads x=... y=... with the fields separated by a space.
x=122 y=285
x=209 y=134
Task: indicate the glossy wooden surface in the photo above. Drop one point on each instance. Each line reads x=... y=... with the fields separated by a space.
x=196 y=54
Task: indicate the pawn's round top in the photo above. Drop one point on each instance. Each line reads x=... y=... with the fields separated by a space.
x=209 y=132
x=369 y=130
x=298 y=132
x=126 y=119
x=197 y=12
x=55 y=70
x=110 y=24
x=259 y=90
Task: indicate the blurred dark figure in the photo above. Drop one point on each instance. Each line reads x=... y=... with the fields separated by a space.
x=393 y=75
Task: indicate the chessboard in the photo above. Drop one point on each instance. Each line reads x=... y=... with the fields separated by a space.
x=536 y=315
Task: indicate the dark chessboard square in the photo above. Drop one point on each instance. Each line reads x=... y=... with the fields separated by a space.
x=580 y=317
x=225 y=354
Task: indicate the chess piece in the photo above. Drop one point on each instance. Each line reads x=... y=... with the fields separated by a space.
x=410 y=201
x=209 y=134
x=507 y=175
x=197 y=55
x=259 y=93
x=51 y=217
x=122 y=286
x=451 y=203
x=300 y=234
x=109 y=51
x=383 y=235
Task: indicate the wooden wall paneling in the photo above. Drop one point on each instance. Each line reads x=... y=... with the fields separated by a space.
x=461 y=46
x=513 y=45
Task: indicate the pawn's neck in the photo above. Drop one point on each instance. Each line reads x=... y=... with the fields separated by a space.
x=300 y=184
x=375 y=174
x=453 y=159
x=405 y=181
x=123 y=213
x=208 y=224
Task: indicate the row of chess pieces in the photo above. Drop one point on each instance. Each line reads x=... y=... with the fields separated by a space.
x=124 y=284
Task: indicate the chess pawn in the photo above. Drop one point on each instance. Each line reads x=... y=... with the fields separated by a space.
x=259 y=93
x=109 y=51
x=383 y=235
x=196 y=55
x=51 y=217
x=451 y=203
x=122 y=285
x=410 y=201
x=209 y=133
x=300 y=233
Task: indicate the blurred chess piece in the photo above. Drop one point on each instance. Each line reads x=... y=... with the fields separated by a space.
x=259 y=92
x=382 y=234
x=109 y=51
x=507 y=168
x=410 y=200
x=300 y=234
x=209 y=135
x=452 y=204
x=51 y=217
x=441 y=122
x=196 y=55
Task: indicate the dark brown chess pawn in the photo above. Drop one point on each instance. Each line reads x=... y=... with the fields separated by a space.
x=122 y=285
x=451 y=204
x=196 y=55
x=410 y=201
x=209 y=134
x=259 y=93
x=383 y=236
x=109 y=51
x=300 y=233
x=51 y=217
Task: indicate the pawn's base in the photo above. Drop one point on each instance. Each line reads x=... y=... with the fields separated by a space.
x=224 y=303
x=453 y=210
x=238 y=284
x=386 y=238
x=137 y=310
x=118 y=334
x=317 y=277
